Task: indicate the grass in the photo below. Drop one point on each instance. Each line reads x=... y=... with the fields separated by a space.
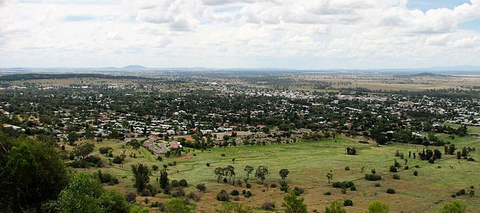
x=308 y=163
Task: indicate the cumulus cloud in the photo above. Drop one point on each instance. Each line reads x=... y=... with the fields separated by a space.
x=235 y=33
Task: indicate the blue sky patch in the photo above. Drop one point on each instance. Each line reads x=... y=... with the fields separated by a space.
x=425 y=5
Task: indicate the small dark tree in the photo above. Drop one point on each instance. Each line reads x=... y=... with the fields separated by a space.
x=141 y=176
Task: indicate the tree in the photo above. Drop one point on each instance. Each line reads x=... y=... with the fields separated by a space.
x=177 y=205
x=163 y=179
x=249 y=169
x=219 y=172
x=453 y=207
x=31 y=173
x=141 y=176
x=72 y=137
x=283 y=174
x=378 y=207
x=83 y=150
x=84 y=194
x=261 y=173
x=294 y=205
x=329 y=177
x=335 y=207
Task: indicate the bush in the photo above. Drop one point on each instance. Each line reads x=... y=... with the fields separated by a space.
x=175 y=183
x=348 y=202
x=273 y=185
x=396 y=176
x=393 y=169
x=461 y=192
x=268 y=206
x=248 y=185
x=415 y=173
x=223 y=196
x=234 y=193
x=298 y=191
x=194 y=196
x=201 y=187
x=347 y=168
x=130 y=197
x=327 y=193
x=373 y=177
x=406 y=167
x=390 y=191
x=284 y=186
x=343 y=184
x=353 y=188
x=183 y=183
x=377 y=184
x=178 y=193
x=248 y=194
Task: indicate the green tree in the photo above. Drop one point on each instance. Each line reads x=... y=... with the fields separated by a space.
x=283 y=174
x=84 y=194
x=83 y=150
x=81 y=194
x=249 y=169
x=294 y=205
x=261 y=173
x=31 y=173
x=141 y=176
x=453 y=207
x=177 y=205
x=378 y=207
x=335 y=207
x=163 y=179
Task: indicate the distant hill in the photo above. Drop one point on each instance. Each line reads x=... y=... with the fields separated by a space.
x=134 y=67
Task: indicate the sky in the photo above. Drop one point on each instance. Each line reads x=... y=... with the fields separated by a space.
x=296 y=34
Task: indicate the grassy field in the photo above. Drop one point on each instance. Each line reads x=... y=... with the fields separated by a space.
x=308 y=163
x=470 y=129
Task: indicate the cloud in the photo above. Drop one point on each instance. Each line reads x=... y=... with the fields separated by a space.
x=236 y=33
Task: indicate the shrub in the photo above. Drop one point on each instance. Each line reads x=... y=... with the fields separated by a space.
x=393 y=169
x=208 y=164
x=130 y=197
x=234 y=193
x=284 y=186
x=248 y=194
x=273 y=185
x=373 y=177
x=377 y=184
x=194 y=196
x=327 y=193
x=348 y=202
x=390 y=191
x=183 y=183
x=396 y=176
x=223 y=196
x=353 y=188
x=406 y=167
x=455 y=206
x=347 y=168
x=298 y=191
x=178 y=193
x=344 y=191
x=268 y=206
x=175 y=183
x=201 y=187
x=461 y=192
x=415 y=173
x=248 y=185
x=343 y=184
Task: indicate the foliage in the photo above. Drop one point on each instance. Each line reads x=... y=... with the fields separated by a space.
x=378 y=207
x=261 y=173
x=292 y=204
x=31 y=173
x=453 y=207
x=335 y=207
x=233 y=208
x=177 y=205
x=141 y=176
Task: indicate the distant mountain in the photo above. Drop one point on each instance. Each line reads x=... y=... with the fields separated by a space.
x=134 y=67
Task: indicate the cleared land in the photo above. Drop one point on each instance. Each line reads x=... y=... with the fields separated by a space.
x=308 y=163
